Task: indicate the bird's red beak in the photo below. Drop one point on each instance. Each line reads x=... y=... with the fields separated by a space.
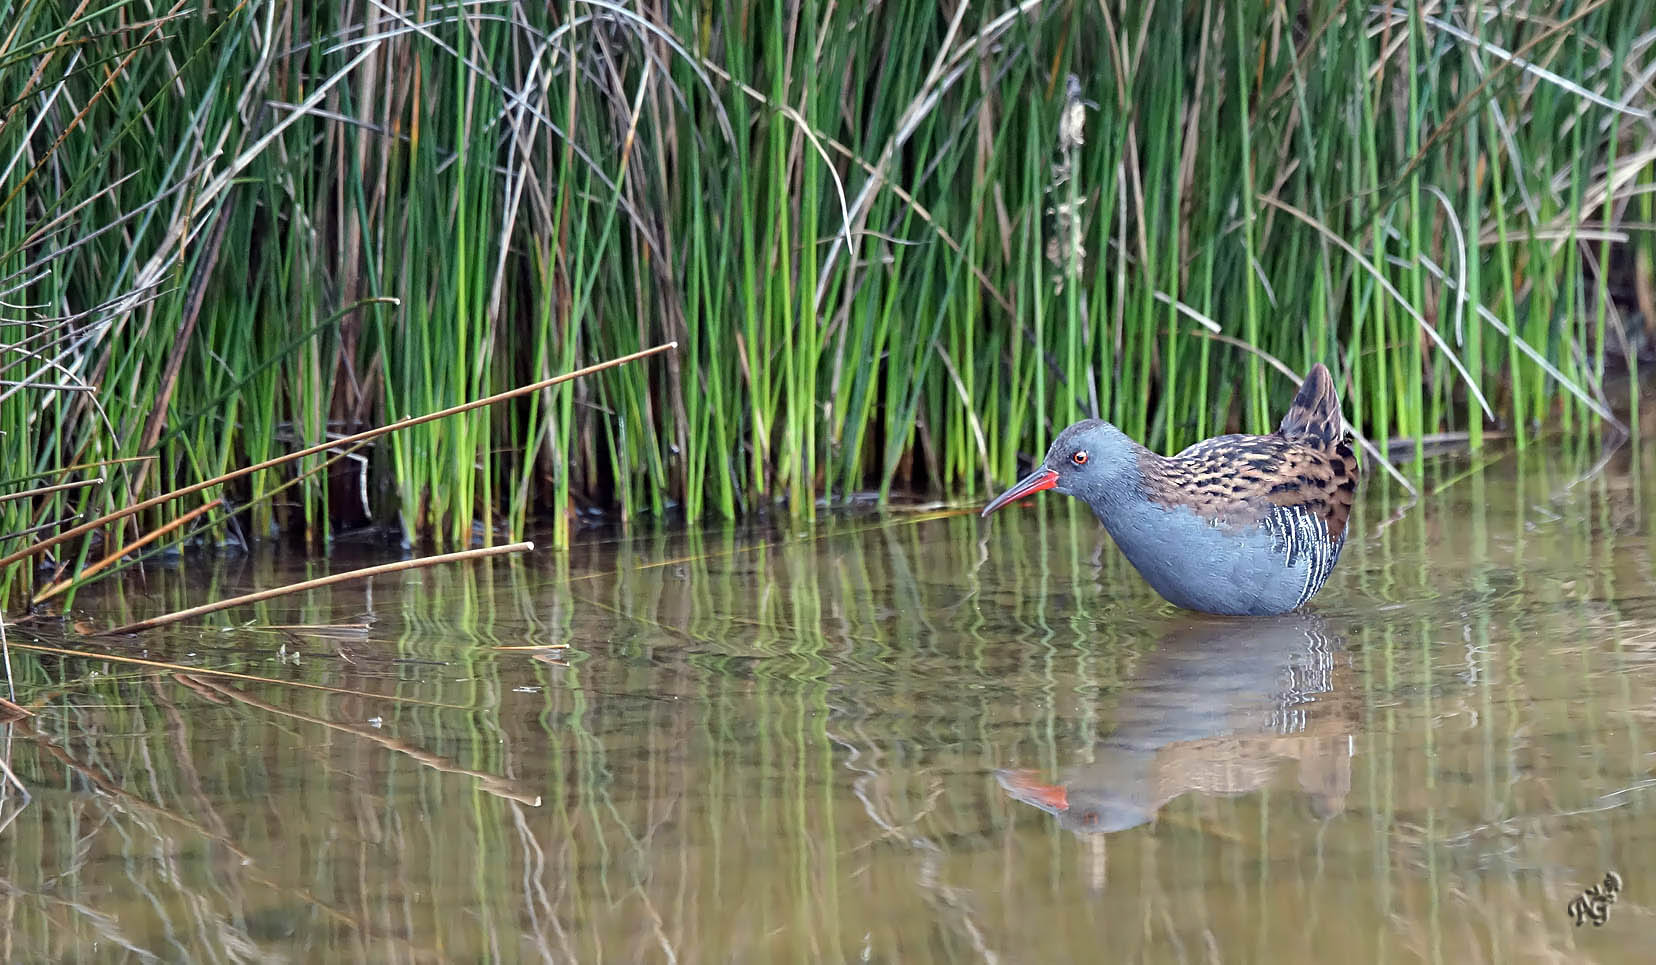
x=1042 y=478
x=1023 y=786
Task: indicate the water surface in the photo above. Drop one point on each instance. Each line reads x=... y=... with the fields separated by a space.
x=899 y=738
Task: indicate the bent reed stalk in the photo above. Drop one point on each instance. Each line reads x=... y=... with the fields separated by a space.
x=254 y=230
x=367 y=572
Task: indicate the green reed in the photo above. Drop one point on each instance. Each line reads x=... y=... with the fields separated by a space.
x=302 y=219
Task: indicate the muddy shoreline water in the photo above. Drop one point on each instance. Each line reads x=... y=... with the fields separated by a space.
x=888 y=737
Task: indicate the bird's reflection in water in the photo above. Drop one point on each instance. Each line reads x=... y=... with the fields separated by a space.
x=1220 y=706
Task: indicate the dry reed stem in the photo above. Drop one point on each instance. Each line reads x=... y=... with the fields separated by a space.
x=43 y=527
x=497 y=784
x=329 y=580
x=59 y=586
x=231 y=674
x=47 y=490
x=363 y=436
x=84 y=576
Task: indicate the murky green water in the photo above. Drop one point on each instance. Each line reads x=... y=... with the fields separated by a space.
x=908 y=739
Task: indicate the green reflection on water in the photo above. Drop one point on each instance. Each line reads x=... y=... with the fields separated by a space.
x=908 y=739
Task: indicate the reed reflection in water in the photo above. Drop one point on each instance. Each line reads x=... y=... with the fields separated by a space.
x=848 y=744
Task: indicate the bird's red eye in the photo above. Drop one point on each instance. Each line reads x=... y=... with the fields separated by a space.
x=1079 y=457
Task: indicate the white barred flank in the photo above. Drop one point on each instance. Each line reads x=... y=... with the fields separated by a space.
x=1298 y=533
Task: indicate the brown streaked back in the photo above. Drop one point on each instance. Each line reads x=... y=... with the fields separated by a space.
x=1239 y=479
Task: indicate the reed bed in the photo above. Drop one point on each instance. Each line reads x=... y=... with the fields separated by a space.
x=898 y=245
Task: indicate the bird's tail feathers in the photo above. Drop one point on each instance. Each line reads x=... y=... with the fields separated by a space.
x=1315 y=413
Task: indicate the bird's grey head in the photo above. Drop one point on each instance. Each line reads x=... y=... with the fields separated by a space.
x=1078 y=807
x=1091 y=459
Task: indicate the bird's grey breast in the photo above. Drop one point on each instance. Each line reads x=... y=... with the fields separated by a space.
x=1217 y=566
